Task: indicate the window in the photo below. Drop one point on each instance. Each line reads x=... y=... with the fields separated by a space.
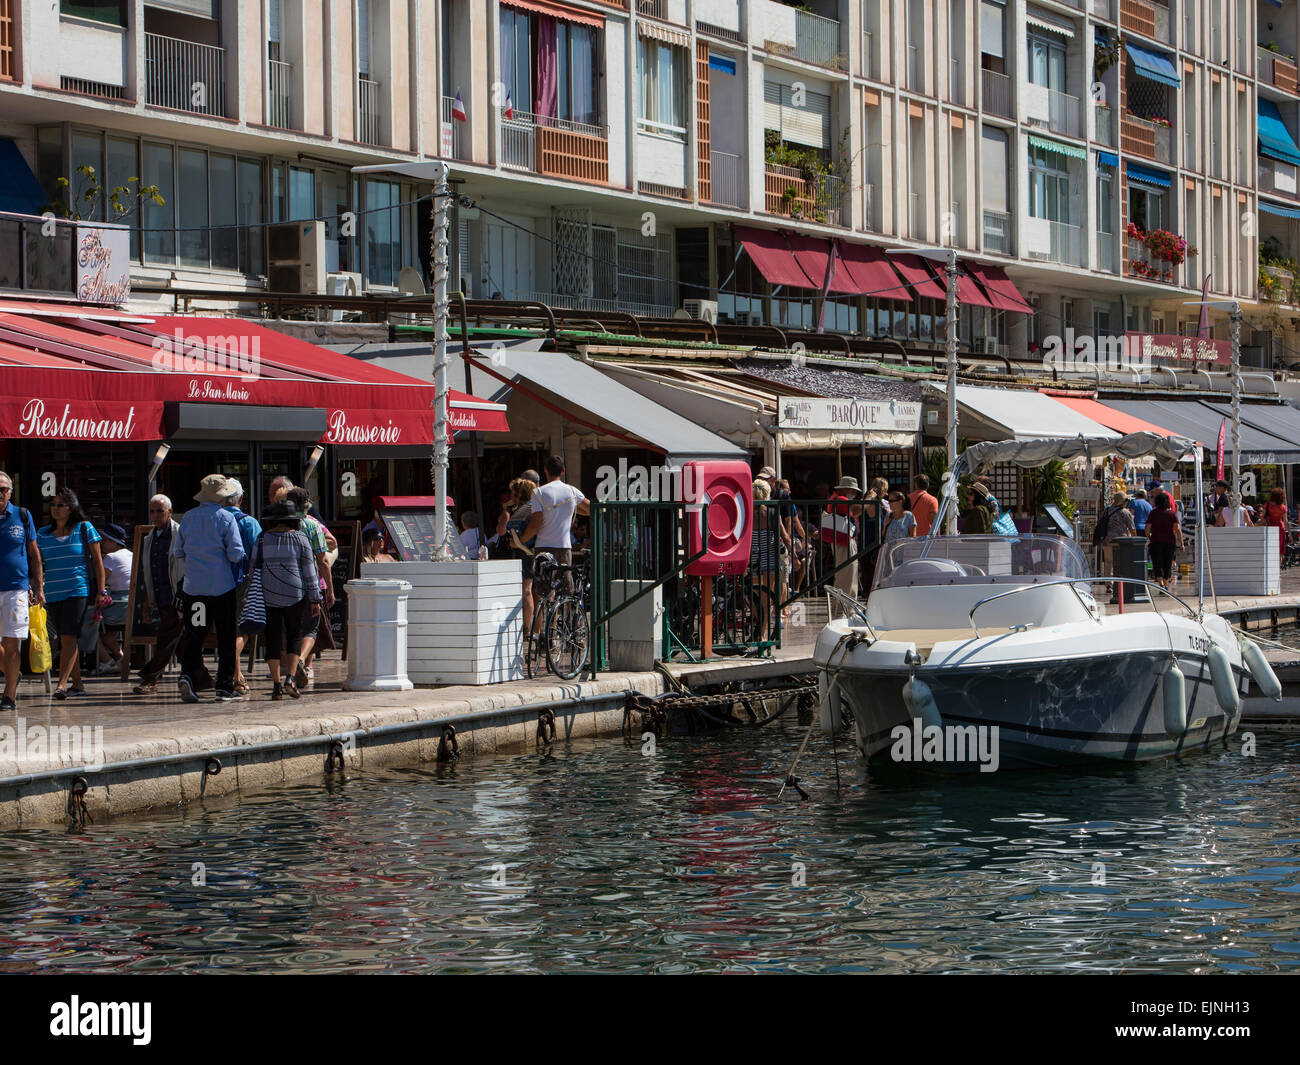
x=1047 y=63
x=517 y=58
x=363 y=37
x=383 y=232
x=577 y=96
x=662 y=95
x=158 y=219
x=112 y=12
x=1105 y=200
x=1049 y=186
x=1146 y=208
x=302 y=193
x=192 y=207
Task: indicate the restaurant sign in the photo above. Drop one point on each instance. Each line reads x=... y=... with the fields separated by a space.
x=1159 y=348
x=103 y=264
x=849 y=415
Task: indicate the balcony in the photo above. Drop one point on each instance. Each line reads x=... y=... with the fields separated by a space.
x=997 y=233
x=1105 y=120
x=455 y=134
x=1277 y=177
x=789 y=193
x=817 y=40
x=727 y=175
x=279 y=94
x=1063 y=113
x=1052 y=241
x=367 y=110
x=1142 y=264
x=869 y=56
x=870 y=209
x=1148 y=19
x=184 y=76
x=1142 y=136
x=1278 y=70
x=1155 y=256
x=1276 y=284
x=1106 y=253
x=654 y=8
x=8 y=61
x=996 y=90
x=555 y=147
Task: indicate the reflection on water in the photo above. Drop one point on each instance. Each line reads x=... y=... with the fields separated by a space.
x=597 y=858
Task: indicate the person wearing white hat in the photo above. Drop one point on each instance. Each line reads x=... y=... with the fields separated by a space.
x=209 y=543
x=840 y=529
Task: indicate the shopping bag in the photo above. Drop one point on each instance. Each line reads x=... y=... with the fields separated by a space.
x=39 y=655
x=252 y=619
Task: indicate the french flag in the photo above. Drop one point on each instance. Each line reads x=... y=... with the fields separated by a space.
x=510 y=107
x=458 y=108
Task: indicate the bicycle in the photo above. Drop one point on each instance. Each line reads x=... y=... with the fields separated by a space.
x=559 y=632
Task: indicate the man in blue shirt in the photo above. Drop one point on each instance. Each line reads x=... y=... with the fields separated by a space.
x=1141 y=509
x=209 y=543
x=21 y=583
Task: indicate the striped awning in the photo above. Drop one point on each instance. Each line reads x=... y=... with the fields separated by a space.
x=1051 y=25
x=1278 y=210
x=1108 y=159
x=657 y=31
x=1045 y=145
x=1140 y=175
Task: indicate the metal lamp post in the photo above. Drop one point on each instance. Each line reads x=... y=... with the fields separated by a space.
x=438 y=239
x=1234 y=322
x=947 y=256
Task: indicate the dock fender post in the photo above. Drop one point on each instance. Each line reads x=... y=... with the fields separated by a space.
x=1253 y=655
x=919 y=700
x=1174 y=693
x=1225 y=685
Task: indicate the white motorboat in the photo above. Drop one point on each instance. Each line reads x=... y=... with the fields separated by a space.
x=988 y=652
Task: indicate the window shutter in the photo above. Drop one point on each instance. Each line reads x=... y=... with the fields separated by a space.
x=363 y=37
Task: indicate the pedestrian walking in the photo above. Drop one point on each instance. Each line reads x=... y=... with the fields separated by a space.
x=162 y=575
x=520 y=506
x=291 y=591
x=21 y=584
x=923 y=505
x=118 y=561
x=1141 y=509
x=209 y=544
x=1275 y=516
x=900 y=523
x=249 y=531
x=74 y=580
x=1165 y=535
x=325 y=549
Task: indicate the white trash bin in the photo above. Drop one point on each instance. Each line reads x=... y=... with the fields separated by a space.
x=377 y=635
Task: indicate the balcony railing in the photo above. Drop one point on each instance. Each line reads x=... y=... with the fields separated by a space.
x=367 y=110
x=1279 y=287
x=184 y=75
x=457 y=144
x=817 y=39
x=997 y=233
x=653 y=8
x=1063 y=113
x=1141 y=263
x=1105 y=119
x=727 y=173
x=1276 y=69
x=996 y=89
x=1143 y=137
x=870 y=209
x=1106 y=252
x=279 y=94
x=555 y=147
x=594 y=303
x=788 y=192
x=915 y=216
x=1065 y=243
x=869 y=55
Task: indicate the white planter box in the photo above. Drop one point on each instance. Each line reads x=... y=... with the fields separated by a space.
x=1243 y=561
x=377 y=635
x=464 y=620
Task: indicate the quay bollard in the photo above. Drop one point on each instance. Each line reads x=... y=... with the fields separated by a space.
x=377 y=635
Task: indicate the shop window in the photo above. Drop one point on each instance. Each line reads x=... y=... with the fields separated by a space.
x=383 y=232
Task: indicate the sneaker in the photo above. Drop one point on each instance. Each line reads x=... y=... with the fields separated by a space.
x=187 y=691
x=76 y=692
x=226 y=695
x=105 y=668
x=60 y=694
x=145 y=687
x=7 y=703
x=277 y=691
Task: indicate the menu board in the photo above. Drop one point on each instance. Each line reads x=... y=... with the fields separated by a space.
x=346 y=566
x=411 y=534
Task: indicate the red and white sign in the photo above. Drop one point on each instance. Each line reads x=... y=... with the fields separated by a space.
x=103 y=264
x=1168 y=347
x=1223 y=434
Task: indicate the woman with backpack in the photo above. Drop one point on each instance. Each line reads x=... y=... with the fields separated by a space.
x=74 y=579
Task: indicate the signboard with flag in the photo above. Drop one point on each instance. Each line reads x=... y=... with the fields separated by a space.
x=458 y=108
x=1223 y=434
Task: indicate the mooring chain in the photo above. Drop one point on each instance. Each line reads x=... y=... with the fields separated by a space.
x=546 y=727
x=448 y=745
x=77 y=809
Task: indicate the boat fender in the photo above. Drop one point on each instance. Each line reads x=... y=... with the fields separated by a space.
x=830 y=704
x=1253 y=655
x=1175 y=696
x=919 y=700
x=1225 y=687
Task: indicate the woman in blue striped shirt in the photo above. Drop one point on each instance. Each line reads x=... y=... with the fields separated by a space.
x=290 y=590
x=74 y=578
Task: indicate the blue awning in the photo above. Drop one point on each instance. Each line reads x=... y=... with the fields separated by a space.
x=20 y=192
x=1279 y=210
x=1108 y=159
x=1153 y=65
x=1143 y=176
x=722 y=63
x=1274 y=138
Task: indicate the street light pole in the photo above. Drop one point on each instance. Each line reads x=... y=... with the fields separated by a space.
x=1234 y=318
x=438 y=239
x=950 y=525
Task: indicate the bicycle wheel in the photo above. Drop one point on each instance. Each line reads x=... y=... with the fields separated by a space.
x=568 y=637
x=533 y=654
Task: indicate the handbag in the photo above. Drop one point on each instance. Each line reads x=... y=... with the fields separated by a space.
x=39 y=655
x=1005 y=525
x=252 y=619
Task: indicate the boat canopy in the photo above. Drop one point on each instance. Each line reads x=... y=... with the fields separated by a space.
x=948 y=560
x=1168 y=449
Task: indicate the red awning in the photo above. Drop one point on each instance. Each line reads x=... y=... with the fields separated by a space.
x=560 y=11
x=1110 y=417
x=872 y=275
x=913 y=270
x=63 y=383
x=770 y=252
x=1001 y=289
x=813 y=254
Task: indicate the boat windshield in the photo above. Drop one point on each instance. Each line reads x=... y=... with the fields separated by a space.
x=979 y=559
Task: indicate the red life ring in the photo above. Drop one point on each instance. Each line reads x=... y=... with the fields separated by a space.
x=728 y=489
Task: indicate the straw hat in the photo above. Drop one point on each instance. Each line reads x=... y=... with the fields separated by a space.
x=981 y=488
x=850 y=484
x=212 y=489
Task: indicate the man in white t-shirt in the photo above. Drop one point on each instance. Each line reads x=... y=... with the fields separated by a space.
x=554 y=505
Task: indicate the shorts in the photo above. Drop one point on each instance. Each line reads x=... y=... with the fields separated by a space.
x=526 y=565
x=14 y=609
x=66 y=616
x=115 y=615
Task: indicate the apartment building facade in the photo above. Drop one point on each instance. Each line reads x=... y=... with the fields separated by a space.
x=612 y=147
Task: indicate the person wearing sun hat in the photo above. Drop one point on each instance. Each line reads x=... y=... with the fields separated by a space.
x=209 y=543
x=840 y=529
x=117 y=578
x=290 y=589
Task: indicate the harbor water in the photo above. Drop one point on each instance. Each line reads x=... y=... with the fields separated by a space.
x=598 y=856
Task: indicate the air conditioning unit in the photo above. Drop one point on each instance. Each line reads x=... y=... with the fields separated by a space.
x=985 y=346
x=296 y=252
x=343 y=283
x=704 y=310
